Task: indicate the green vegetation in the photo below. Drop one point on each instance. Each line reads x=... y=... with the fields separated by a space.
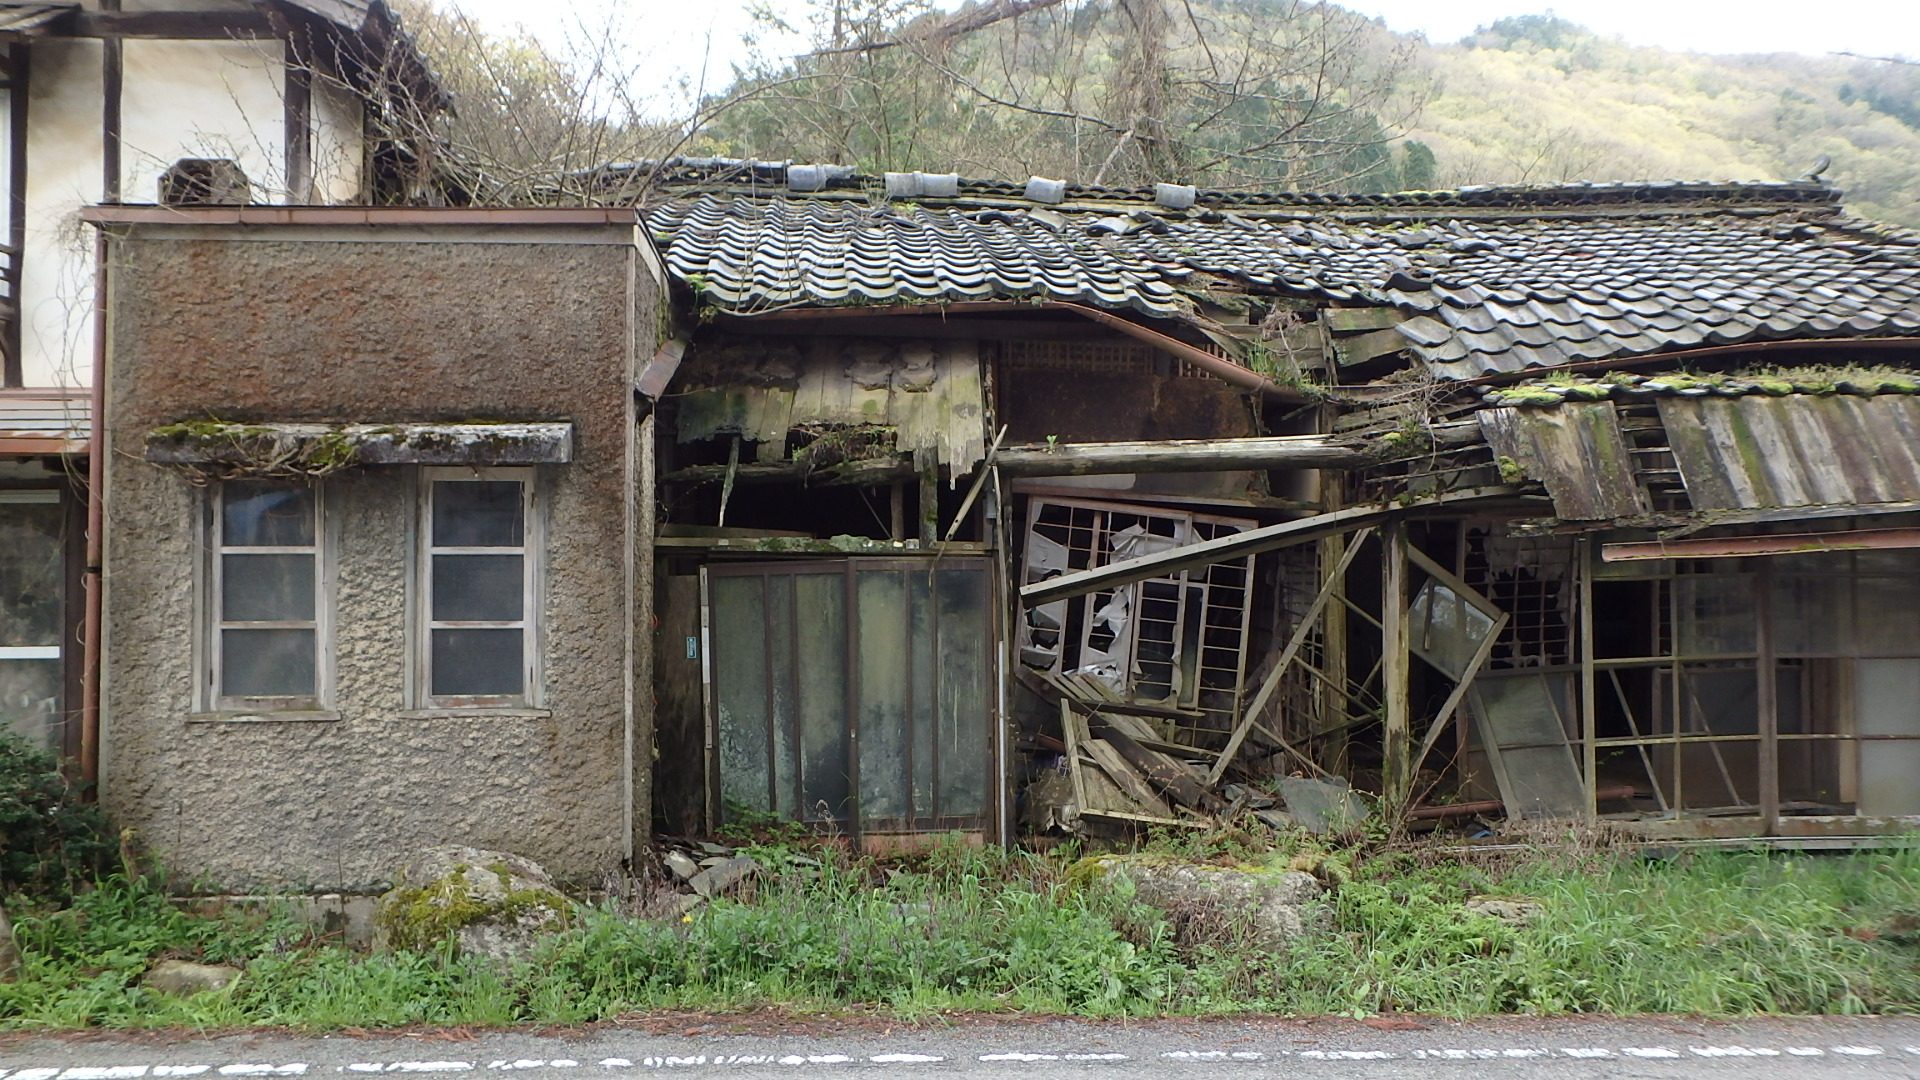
x=1709 y=933
x=1528 y=100
x=51 y=841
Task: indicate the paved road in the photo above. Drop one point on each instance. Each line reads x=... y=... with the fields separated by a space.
x=1178 y=1050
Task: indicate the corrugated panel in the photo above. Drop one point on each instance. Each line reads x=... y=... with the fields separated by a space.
x=44 y=421
x=1577 y=451
x=929 y=392
x=1750 y=453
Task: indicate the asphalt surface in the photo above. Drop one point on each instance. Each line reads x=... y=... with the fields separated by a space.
x=1509 y=1049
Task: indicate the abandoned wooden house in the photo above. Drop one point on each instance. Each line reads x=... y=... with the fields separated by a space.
x=904 y=505
x=990 y=506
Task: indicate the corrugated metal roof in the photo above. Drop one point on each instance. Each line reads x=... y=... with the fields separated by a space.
x=44 y=421
x=1577 y=452
x=1750 y=453
x=1489 y=280
x=26 y=19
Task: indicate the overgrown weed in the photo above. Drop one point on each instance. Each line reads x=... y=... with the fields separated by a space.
x=965 y=928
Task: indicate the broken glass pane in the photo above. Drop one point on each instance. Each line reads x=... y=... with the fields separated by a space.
x=1445 y=629
x=1520 y=714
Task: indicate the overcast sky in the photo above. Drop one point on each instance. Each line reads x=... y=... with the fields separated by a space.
x=672 y=36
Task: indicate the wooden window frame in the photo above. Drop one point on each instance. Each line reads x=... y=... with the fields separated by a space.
x=209 y=700
x=532 y=621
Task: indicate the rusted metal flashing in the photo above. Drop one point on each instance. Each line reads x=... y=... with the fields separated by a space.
x=320 y=448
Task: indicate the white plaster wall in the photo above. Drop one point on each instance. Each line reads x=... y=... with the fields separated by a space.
x=339 y=156
x=208 y=99
x=63 y=174
x=178 y=99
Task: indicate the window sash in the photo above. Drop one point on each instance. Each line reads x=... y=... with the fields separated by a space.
x=426 y=575
x=217 y=622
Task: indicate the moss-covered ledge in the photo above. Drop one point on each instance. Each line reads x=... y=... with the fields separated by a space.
x=226 y=448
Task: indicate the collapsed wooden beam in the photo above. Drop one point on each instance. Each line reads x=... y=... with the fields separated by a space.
x=1105 y=458
x=1187 y=455
x=1237 y=545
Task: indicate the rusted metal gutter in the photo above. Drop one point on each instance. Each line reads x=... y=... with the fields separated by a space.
x=90 y=631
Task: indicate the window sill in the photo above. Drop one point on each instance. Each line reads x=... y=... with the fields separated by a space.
x=264 y=716
x=489 y=712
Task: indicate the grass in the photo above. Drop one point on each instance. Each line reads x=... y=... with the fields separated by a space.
x=1718 y=934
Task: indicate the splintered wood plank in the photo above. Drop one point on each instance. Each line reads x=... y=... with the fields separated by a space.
x=1069 y=725
x=963 y=400
x=1125 y=778
x=1164 y=773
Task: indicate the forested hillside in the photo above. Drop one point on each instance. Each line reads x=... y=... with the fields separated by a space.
x=1278 y=93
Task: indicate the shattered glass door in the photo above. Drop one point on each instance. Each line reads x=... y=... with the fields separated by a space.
x=1178 y=642
x=852 y=692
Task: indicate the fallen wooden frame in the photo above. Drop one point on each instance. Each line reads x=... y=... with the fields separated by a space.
x=1237 y=545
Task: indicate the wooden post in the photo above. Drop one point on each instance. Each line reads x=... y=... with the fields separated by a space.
x=1766 y=697
x=929 y=506
x=1589 y=705
x=1332 y=751
x=896 y=511
x=1397 y=747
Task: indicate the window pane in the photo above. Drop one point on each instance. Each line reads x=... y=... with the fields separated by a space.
x=30 y=578
x=257 y=513
x=478 y=588
x=30 y=701
x=264 y=588
x=477 y=663
x=267 y=663
x=477 y=513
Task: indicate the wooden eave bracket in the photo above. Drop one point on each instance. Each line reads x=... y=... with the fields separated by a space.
x=325 y=447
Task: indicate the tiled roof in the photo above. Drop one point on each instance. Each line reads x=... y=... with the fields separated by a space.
x=44 y=421
x=1487 y=279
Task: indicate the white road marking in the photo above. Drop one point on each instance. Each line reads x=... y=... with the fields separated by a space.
x=904 y=1057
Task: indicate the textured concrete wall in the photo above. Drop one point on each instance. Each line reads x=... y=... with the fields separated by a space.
x=256 y=328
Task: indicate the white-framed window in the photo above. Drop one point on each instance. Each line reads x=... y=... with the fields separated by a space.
x=268 y=628
x=33 y=616
x=478 y=590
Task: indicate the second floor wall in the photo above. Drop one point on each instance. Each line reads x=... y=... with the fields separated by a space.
x=295 y=135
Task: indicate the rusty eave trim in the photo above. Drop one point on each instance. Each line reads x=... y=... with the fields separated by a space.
x=375 y=216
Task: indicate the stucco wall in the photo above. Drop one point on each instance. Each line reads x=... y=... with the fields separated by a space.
x=64 y=172
x=316 y=330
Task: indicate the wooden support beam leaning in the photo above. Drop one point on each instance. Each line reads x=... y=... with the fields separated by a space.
x=1396 y=750
x=1294 y=644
